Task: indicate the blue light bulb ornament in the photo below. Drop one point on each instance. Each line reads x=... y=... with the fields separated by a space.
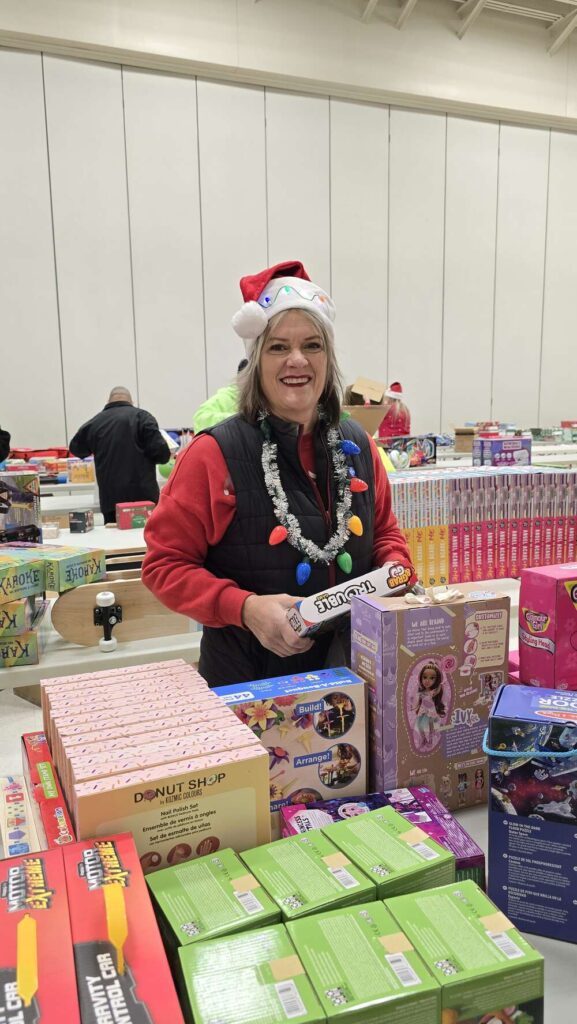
x=303 y=573
x=352 y=472
x=345 y=562
x=350 y=448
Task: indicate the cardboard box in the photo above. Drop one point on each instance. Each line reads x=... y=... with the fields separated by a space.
x=133 y=514
x=487 y=971
x=417 y=805
x=370 y=415
x=25 y=646
x=397 y=856
x=214 y=895
x=308 y=874
x=81 y=522
x=19 y=506
x=16 y=616
x=314 y=729
x=121 y=968
x=80 y=472
x=187 y=808
x=254 y=978
x=49 y=810
x=547 y=627
x=64 y=567
x=314 y=613
x=502 y=451
x=432 y=672
x=37 y=981
x=464 y=437
x=364 y=969
x=533 y=811
x=17 y=828
x=19 y=577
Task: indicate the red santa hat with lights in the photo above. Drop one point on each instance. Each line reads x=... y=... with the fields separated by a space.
x=279 y=288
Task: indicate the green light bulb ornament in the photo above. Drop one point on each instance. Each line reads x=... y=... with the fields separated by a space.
x=345 y=562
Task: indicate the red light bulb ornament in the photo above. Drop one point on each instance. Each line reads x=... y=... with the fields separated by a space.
x=357 y=485
x=278 y=535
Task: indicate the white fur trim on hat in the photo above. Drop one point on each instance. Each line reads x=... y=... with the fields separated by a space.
x=281 y=294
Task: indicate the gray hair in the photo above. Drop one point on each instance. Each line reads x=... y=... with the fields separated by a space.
x=252 y=402
x=120 y=394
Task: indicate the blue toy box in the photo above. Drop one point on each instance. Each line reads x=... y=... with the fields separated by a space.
x=532 y=747
x=314 y=729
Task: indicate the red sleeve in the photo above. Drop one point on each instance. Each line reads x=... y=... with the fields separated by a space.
x=389 y=544
x=196 y=507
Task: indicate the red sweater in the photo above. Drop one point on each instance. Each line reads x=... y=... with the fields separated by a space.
x=396 y=423
x=197 y=506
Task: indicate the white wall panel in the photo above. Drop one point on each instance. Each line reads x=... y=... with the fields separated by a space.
x=522 y=211
x=297 y=156
x=416 y=216
x=559 y=364
x=470 y=224
x=233 y=204
x=359 y=214
x=87 y=160
x=163 y=190
x=31 y=406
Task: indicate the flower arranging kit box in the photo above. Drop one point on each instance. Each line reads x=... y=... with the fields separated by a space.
x=533 y=811
x=308 y=874
x=487 y=971
x=364 y=969
x=548 y=627
x=397 y=856
x=417 y=804
x=254 y=977
x=314 y=729
x=214 y=895
x=432 y=672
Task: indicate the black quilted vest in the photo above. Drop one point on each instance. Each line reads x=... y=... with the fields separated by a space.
x=233 y=655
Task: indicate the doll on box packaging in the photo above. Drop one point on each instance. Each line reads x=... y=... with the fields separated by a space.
x=430 y=707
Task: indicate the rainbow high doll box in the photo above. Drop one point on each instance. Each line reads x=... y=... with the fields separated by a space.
x=314 y=729
x=432 y=670
x=548 y=627
x=532 y=746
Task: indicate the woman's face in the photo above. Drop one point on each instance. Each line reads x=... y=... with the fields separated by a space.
x=429 y=678
x=293 y=369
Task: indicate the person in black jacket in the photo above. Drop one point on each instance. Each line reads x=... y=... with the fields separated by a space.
x=4 y=444
x=127 y=445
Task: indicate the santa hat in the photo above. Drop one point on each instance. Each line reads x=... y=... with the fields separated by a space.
x=284 y=286
x=394 y=391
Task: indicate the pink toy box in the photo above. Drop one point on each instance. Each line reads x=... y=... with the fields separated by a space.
x=548 y=627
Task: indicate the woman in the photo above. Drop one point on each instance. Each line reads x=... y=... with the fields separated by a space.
x=397 y=420
x=259 y=507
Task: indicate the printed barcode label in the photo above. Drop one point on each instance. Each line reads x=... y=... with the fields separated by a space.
x=346 y=880
x=291 y=1001
x=424 y=851
x=506 y=945
x=249 y=902
x=403 y=969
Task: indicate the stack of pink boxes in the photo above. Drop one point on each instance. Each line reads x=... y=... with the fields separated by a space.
x=152 y=750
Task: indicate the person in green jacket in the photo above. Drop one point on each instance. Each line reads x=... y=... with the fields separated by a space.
x=220 y=406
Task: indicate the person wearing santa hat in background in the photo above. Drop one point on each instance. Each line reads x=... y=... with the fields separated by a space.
x=397 y=419
x=281 y=501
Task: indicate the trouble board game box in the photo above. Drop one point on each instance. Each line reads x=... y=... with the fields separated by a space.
x=313 y=726
x=254 y=977
x=397 y=856
x=214 y=895
x=364 y=969
x=417 y=804
x=37 y=981
x=307 y=874
x=486 y=970
x=121 y=968
x=548 y=627
x=533 y=811
x=132 y=514
x=432 y=672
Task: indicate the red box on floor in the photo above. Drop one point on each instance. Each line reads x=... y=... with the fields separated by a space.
x=121 y=969
x=131 y=514
x=49 y=809
x=37 y=979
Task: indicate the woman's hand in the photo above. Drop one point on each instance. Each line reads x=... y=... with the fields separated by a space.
x=265 y=616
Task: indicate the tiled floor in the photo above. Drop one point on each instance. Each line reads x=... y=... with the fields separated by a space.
x=18 y=716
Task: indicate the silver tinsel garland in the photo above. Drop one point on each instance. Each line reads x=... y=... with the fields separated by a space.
x=281 y=507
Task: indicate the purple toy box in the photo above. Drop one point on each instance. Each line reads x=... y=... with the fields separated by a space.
x=419 y=805
x=532 y=745
x=432 y=673
x=548 y=627
x=502 y=451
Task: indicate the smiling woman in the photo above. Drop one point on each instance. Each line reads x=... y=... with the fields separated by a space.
x=284 y=497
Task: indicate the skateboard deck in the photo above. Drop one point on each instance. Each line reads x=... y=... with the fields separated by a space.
x=143 y=616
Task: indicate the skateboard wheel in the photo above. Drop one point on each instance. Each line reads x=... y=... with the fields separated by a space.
x=104 y=599
x=108 y=645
